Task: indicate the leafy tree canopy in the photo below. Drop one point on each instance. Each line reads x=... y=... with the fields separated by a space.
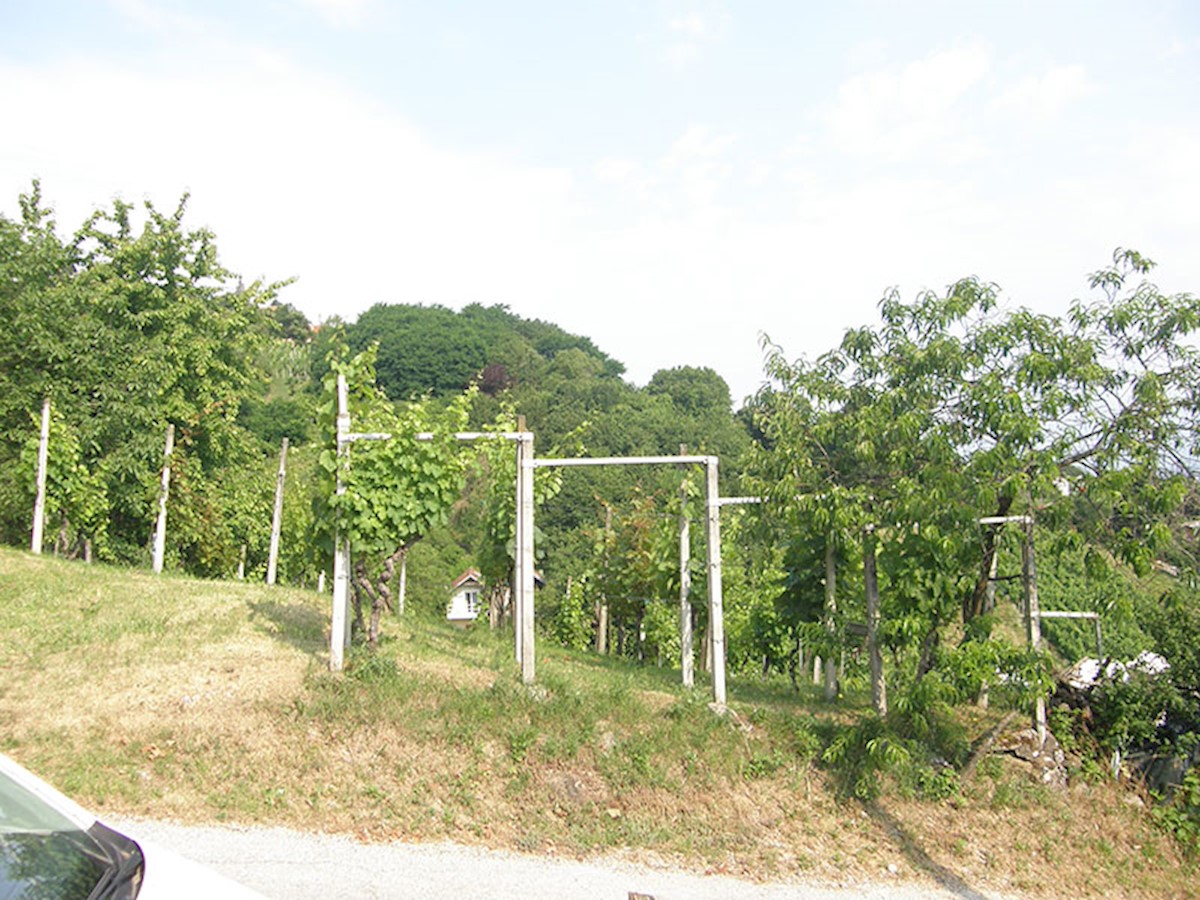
x=127 y=328
x=953 y=408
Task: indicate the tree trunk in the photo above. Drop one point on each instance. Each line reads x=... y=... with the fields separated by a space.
x=62 y=544
x=497 y=604
x=928 y=645
x=830 y=613
x=362 y=585
x=977 y=603
x=796 y=664
x=875 y=658
x=381 y=598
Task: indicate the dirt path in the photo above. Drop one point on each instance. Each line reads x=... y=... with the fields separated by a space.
x=282 y=863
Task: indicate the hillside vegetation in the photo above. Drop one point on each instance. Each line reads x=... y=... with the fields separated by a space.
x=909 y=490
x=210 y=701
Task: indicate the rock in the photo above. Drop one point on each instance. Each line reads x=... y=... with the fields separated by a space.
x=1163 y=774
x=1047 y=760
x=566 y=786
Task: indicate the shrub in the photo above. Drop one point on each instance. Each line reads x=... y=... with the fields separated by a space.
x=1180 y=815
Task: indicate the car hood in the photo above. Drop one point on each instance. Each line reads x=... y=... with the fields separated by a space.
x=169 y=876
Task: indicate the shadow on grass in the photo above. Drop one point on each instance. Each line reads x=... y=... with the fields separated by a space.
x=303 y=627
x=917 y=855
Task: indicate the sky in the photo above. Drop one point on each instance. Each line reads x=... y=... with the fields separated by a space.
x=678 y=180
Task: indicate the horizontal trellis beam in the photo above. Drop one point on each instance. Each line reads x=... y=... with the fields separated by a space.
x=622 y=461
x=1067 y=614
x=428 y=435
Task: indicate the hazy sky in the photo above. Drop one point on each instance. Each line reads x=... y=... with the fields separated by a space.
x=671 y=179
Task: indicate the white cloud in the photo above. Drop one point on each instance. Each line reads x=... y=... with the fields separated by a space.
x=1162 y=174
x=1045 y=97
x=697 y=168
x=341 y=13
x=616 y=171
x=899 y=113
x=296 y=177
x=163 y=19
x=690 y=33
x=698 y=143
x=678 y=256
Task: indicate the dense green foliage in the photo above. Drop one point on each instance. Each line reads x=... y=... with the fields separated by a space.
x=952 y=408
x=127 y=329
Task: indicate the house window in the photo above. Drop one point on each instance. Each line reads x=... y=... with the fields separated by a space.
x=472 y=602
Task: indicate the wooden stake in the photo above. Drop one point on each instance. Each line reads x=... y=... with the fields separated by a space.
x=1033 y=620
x=277 y=518
x=830 y=612
x=716 y=615
x=518 y=576
x=686 y=660
x=39 y=504
x=602 y=608
x=875 y=657
x=525 y=555
x=339 y=631
x=164 y=489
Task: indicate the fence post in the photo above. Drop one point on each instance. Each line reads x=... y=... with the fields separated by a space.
x=829 y=615
x=716 y=615
x=871 y=581
x=686 y=661
x=160 y=527
x=39 y=504
x=1033 y=619
x=524 y=556
x=339 y=632
x=277 y=518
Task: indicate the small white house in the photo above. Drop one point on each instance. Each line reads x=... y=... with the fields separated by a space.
x=463 y=607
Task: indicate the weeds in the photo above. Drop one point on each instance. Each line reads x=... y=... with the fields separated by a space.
x=1179 y=815
x=202 y=701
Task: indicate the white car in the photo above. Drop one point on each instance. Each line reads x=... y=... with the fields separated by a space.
x=51 y=848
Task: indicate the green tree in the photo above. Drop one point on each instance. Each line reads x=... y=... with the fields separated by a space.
x=953 y=409
x=695 y=391
x=127 y=329
x=396 y=490
x=76 y=501
x=422 y=349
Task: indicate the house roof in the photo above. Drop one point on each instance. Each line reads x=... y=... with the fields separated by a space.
x=468 y=576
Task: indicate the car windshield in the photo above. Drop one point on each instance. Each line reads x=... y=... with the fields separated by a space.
x=44 y=855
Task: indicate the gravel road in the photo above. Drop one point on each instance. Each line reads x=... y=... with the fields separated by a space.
x=292 y=865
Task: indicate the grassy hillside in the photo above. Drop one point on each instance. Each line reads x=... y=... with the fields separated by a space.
x=210 y=701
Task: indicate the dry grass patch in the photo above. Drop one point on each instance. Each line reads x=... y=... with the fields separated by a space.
x=208 y=701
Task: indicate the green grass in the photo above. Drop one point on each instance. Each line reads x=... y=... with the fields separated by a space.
x=211 y=701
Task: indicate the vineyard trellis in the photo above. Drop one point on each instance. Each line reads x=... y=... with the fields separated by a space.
x=523 y=575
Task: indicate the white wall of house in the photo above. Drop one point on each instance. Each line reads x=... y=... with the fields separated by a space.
x=463 y=605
